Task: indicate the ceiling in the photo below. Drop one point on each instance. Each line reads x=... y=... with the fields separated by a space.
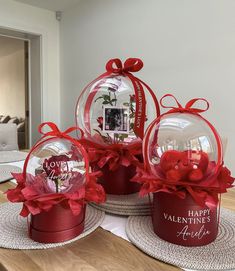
x=54 y=5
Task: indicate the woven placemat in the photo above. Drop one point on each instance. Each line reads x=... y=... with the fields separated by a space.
x=12 y=156
x=125 y=205
x=123 y=212
x=219 y=255
x=14 y=233
x=6 y=170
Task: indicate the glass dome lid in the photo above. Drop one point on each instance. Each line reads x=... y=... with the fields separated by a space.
x=56 y=164
x=112 y=108
x=181 y=145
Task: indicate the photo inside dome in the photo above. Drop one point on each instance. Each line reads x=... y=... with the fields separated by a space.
x=116 y=119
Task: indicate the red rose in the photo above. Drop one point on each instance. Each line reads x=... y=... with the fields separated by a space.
x=54 y=166
x=100 y=121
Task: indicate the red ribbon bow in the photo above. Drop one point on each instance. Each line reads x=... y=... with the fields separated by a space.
x=56 y=132
x=188 y=107
x=130 y=65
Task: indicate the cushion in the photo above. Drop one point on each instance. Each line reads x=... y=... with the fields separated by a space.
x=14 y=120
x=21 y=120
x=5 y=119
x=21 y=127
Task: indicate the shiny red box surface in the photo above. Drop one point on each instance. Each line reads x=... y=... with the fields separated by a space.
x=117 y=182
x=182 y=221
x=57 y=225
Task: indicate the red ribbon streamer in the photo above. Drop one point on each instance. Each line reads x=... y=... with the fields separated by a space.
x=115 y=66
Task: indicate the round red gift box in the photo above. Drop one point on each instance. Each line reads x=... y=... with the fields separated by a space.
x=182 y=221
x=59 y=224
x=118 y=182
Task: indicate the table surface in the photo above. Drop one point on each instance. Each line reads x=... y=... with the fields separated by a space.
x=101 y=250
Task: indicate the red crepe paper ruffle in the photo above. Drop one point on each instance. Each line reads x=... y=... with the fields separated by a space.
x=35 y=203
x=177 y=175
x=113 y=155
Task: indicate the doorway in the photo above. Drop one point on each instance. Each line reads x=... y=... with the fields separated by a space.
x=28 y=100
x=14 y=86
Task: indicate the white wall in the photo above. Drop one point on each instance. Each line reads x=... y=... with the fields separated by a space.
x=188 y=47
x=29 y=19
x=12 y=77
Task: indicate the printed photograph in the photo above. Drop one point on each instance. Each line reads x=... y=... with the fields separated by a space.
x=116 y=119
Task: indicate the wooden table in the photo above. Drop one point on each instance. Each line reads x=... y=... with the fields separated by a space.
x=101 y=250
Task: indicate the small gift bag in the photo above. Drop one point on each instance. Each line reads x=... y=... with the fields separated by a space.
x=185 y=173
x=112 y=110
x=55 y=187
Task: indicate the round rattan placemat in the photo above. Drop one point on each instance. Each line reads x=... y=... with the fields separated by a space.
x=219 y=255
x=14 y=233
x=12 y=156
x=6 y=170
x=125 y=205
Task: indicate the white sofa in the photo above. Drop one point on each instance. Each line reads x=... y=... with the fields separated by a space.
x=8 y=137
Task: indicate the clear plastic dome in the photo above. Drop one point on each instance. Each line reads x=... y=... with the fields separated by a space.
x=106 y=110
x=182 y=147
x=57 y=166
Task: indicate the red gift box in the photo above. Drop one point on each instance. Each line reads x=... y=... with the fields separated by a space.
x=59 y=224
x=118 y=164
x=182 y=221
x=118 y=182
